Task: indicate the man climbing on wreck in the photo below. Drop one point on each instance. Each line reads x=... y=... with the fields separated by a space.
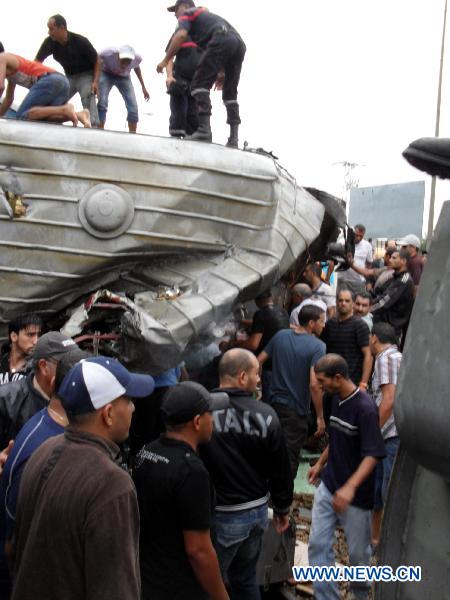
x=47 y=98
x=224 y=50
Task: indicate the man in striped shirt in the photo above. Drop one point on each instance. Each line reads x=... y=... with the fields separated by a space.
x=384 y=380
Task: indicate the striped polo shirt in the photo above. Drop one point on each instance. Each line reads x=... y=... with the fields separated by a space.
x=387 y=366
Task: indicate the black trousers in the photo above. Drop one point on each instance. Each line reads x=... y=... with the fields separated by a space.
x=225 y=51
x=183 y=115
x=295 y=431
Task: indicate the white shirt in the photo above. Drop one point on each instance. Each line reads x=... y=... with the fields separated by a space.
x=325 y=293
x=315 y=302
x=363 y=255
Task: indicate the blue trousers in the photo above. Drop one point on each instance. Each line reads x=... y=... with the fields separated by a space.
x=384 y=470
x=356 y=523
x=49 y=90
x=126 y=89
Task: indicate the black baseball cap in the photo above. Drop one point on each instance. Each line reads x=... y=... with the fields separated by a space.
x=177 y=4
x=53 y=345
x=184 y=401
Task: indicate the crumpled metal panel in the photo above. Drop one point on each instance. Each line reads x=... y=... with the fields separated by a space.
x=237 y=218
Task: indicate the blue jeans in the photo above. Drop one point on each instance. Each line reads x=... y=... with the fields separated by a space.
x=384 y=470
x=237 y=539
x=356 y=523
x=126 y=89
x=49 y=90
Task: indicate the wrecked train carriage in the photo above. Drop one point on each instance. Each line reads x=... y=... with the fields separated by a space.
x=177 y=232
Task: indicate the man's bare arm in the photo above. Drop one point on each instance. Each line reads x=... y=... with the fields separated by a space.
x=367 y=367
x=203 y=560
x=262 y=357
x=251 y=343
x=343 y=497
x=178 y=38
x=8 y=99
x=138 y=72
x=331 y=312
x=317 y=400
x=387 y=402
x=314 y=471
x=97 y=68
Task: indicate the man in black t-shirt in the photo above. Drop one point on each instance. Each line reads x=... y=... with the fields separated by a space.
x=268 y=320
x=347 y=467
x=176 y=502
x=348 y=336
x=79 y=60
x=224 y=51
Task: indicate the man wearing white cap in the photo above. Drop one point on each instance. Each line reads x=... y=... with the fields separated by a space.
x=77 y=521
x=415 y=263
x=116 y=66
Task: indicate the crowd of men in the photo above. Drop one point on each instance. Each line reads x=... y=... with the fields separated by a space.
x=184 y=515
x=205 y=50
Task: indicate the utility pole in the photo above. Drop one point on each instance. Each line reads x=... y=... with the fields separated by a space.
x=351 y=180
x=436 y=133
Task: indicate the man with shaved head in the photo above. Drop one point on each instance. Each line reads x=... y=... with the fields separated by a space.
x=346 y=467
x=248 y=462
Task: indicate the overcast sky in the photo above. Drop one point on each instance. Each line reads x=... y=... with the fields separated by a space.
x=324 y=81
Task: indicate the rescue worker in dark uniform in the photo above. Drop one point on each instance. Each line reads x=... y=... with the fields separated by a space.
x=183 y=108
x=224 y=50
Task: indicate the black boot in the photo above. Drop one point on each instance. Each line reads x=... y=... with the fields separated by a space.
x=233 y=140
x=203 y=133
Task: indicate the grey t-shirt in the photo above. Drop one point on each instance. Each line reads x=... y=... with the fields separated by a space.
x=293 y=354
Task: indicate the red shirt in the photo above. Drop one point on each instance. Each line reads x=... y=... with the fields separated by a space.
x=415 y=268
x=28 y=72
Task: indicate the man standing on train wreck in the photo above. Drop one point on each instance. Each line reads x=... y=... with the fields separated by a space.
x=221 y=62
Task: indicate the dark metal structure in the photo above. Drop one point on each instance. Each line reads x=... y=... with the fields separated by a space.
x=416 y=524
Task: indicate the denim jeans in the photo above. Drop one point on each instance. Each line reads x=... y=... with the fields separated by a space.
x=82 y=83
x=126 y=89
x=49 y=90
x=384 y=470
x=237 y=539
x=356 y=523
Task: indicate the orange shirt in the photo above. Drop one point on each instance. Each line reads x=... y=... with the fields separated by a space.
x=28 y=72
x=32 y=67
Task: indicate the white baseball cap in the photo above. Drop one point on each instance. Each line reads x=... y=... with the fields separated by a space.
x=410 y=240
x=127 y=52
